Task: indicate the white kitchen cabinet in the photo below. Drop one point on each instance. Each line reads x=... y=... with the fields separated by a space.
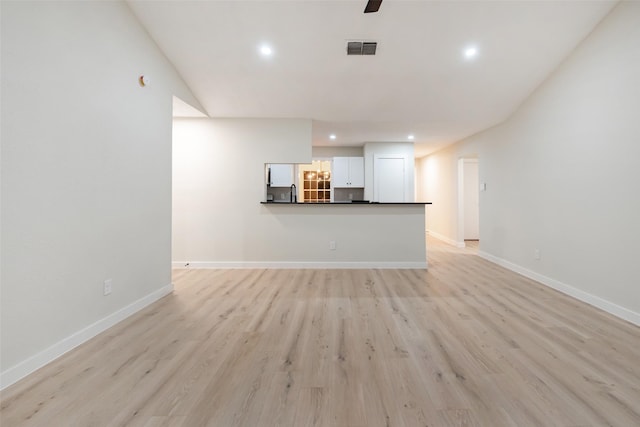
x=281 y=175
x=348 y=172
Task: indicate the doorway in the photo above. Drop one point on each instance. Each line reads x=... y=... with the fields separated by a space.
x=468 y=202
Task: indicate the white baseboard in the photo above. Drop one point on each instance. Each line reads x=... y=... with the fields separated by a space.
x=298 y=265
x=446 y=239
x=24 y=368
x=609 y=307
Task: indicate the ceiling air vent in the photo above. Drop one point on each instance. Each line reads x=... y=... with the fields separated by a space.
x=354 y=48
x=361 y=48
x=369 y=48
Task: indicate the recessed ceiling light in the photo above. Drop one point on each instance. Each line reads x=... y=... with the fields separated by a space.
x=411 y=137
x=266 y=50
x=332 y=136
x=471 y=52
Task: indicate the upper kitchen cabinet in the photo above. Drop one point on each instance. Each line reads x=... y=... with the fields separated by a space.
x=280 y=175
x=348 y=172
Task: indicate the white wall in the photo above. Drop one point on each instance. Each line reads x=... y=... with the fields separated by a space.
x=562 y=174
x=218 y=220
x=401 y=149
x=219 y=181
x=438 y=184
x=86 y=174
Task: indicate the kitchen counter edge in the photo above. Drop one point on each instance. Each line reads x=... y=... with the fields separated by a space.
x=346 y=203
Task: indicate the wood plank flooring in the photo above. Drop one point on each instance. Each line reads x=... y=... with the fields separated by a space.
x=466 y=343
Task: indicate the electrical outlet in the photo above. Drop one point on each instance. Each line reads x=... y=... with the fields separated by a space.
x=282 y=196
x=332 y=245
x=108 y=285
x=536 y=253
x=350 y=196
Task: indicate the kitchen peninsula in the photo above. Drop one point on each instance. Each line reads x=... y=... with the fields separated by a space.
x=352 y=203
x=345 y=217
x=352 y=235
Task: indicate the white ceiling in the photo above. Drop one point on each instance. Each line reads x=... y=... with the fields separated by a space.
x=418 y=82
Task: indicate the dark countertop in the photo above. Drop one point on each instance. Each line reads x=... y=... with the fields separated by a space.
x=347 y=203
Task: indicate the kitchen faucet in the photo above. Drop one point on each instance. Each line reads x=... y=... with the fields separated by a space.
x=293 y=196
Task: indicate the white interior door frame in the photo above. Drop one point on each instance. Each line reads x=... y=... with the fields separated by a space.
x=471 y=200
x=461 y=200
x=460 y=218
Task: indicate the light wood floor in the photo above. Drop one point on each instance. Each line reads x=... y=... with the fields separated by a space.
x=465 y=344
